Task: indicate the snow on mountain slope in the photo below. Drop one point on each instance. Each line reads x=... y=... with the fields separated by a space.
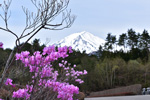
x=83 y=41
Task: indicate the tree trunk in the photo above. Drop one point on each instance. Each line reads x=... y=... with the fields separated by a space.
x=7 y=66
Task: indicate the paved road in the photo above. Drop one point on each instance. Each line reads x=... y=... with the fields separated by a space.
x=137 y=97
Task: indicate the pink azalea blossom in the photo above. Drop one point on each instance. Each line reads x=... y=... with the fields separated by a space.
x=1 y=45
x=8 y=81
x=25 y=53
x=21 y=93
x=70 y=49
x=29 y=88
x=85 y=72
x=18 y=56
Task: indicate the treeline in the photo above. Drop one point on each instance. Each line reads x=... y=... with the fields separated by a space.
x=119 y=62
x=110 y=67
x=128 y=46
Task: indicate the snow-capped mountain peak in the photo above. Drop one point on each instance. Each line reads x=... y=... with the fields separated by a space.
x=83 y=41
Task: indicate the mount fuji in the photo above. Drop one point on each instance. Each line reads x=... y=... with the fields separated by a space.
x=83 y=41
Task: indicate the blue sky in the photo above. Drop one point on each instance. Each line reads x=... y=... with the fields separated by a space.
x=98 y=17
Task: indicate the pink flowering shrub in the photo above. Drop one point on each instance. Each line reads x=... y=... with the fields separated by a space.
x=45 y=78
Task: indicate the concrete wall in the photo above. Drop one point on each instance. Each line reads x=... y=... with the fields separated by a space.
x=121 y=91
x=137 y=97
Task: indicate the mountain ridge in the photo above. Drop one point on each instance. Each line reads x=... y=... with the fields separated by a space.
x=82 y=41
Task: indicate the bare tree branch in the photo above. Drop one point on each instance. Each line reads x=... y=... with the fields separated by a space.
x=47 y=10
x=5 y=17
x=43 y=18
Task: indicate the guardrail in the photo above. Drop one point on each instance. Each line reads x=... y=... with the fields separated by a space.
x=136 y=97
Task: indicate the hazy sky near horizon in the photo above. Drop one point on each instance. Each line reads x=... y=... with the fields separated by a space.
x=98 y=17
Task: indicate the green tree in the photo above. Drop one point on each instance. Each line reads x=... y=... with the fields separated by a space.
x=122 y=40
x=100 y=51
x=108 y=45
x=36 y=45
x=132 y=38
x=88 y=63
x=113 y=41
x=133 y=72
x=145 y=38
